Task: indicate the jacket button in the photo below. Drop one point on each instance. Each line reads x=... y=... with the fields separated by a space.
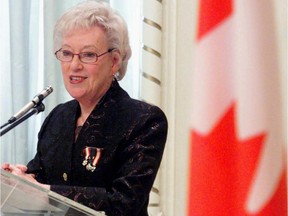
x=65 y=176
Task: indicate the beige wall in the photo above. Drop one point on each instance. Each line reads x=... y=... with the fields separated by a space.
x=179 y=31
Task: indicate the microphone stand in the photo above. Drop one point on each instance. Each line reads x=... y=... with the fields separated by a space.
x=39 y=108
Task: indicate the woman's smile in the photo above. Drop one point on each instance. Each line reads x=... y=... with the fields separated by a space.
x=77 y=79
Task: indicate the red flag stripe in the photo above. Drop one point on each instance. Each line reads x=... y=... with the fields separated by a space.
x=212 y=12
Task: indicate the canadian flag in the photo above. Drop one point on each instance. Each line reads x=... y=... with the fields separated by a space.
x=238 y=156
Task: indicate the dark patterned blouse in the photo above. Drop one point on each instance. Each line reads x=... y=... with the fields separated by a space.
x=112 y=162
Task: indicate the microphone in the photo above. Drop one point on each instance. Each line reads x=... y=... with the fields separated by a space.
x=34 y=103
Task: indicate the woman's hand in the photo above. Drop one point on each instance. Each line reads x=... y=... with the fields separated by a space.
x=20 y=170
x=14 y=169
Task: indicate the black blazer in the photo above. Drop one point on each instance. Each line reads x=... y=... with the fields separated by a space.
x=113 y=163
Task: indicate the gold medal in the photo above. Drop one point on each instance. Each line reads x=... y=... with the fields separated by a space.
x=92 y=156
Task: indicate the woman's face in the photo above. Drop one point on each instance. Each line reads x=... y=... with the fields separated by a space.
x=87 y=83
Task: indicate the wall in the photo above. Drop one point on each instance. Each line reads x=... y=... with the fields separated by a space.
x=178 y=38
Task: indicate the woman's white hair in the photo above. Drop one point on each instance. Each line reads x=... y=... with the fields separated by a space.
x=96 y=13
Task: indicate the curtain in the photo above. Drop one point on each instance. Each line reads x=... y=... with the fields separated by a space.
x=19 y=72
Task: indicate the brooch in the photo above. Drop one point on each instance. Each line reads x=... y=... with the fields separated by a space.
x=91 y=157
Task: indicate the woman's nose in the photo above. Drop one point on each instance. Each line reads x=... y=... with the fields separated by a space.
x=76 y=64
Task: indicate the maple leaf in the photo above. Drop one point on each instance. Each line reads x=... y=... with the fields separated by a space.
x=222 y=169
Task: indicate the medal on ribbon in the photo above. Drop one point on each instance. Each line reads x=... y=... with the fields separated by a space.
x=91 y=157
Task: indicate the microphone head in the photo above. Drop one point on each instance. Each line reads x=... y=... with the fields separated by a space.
x=44 y=93
x=48 y=90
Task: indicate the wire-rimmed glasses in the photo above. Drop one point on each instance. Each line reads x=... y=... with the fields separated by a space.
x=85 y=57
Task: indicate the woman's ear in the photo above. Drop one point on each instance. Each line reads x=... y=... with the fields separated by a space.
x=116 y=61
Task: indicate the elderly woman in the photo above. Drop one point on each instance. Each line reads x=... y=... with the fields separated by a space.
x=103 y=148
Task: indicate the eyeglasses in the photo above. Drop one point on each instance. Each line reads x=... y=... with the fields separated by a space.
x=85 y=57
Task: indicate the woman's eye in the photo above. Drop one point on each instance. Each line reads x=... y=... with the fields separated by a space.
x=88 y=55
x=66 y=53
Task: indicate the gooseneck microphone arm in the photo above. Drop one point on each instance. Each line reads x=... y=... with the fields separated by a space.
x=33 y=103
x=32 y=107
x=39 y=108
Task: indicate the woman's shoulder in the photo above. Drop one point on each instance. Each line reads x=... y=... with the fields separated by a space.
x=127 y=105
x=138 y=109
x=140 y=105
